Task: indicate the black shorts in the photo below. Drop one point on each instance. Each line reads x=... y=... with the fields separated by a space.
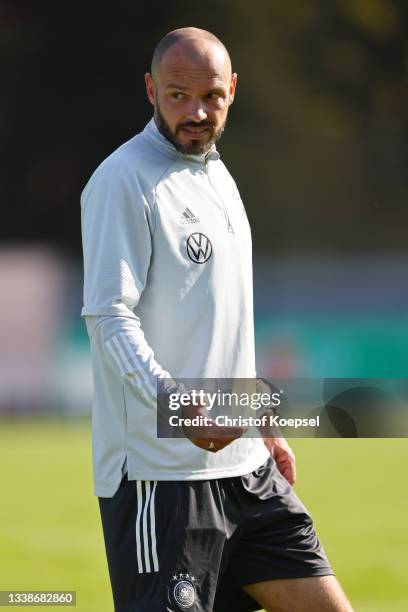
x=191 y=545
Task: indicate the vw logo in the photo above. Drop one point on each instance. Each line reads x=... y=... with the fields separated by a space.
x=199 y=248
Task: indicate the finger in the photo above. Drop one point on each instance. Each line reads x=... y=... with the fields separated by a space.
x=217 y=444
x=205 y=445
x=214 y=432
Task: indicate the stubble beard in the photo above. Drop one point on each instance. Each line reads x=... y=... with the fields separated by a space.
x=194 y=147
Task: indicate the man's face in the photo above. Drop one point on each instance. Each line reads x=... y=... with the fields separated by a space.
x=191 y=92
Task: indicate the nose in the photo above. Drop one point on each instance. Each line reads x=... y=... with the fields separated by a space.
x=197 y=111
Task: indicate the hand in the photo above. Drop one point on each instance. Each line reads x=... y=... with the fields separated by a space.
x=210 y=437
x=284 y=457
x=279 y=449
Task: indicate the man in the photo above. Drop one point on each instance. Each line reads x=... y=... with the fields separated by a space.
x=200 y=524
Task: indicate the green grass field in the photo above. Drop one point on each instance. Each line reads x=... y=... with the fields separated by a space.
x=50 y=536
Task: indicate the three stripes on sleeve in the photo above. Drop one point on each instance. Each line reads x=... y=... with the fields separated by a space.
x=135 y=360
x=133 y=366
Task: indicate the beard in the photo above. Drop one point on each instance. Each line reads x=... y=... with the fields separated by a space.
x=194 y=147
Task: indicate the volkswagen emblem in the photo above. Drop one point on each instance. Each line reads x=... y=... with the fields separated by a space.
x=199 y=248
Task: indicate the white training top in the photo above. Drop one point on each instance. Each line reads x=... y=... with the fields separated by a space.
x=167 y=293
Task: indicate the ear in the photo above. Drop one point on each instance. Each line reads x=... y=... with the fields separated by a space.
x=233 y=86
x=150 y=88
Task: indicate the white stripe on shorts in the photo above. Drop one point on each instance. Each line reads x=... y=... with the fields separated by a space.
x=146 y=527
x=139 y=510
x=153 y=528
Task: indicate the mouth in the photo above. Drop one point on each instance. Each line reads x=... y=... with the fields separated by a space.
x=195 y=132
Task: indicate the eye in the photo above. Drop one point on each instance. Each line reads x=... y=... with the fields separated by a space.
x=213 y=95
x=177 y=95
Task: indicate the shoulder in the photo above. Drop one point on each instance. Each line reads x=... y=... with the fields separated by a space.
x=135 y=165
x=228 y=179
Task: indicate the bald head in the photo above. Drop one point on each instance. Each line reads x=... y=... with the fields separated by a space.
x=191 y=41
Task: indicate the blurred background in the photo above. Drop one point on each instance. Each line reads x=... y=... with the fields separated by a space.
x=317 y=141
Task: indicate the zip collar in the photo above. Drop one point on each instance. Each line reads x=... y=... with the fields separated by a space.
x=153 y=134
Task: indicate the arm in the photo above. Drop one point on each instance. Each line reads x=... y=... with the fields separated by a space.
x=117 y=225
x=284 y=457
x=275 y=442
x=130 y=356
x=132 y=360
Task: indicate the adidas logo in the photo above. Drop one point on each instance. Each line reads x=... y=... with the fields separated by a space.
x=188 y=217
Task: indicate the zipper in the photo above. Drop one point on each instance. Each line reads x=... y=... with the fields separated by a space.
x=227 y=219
